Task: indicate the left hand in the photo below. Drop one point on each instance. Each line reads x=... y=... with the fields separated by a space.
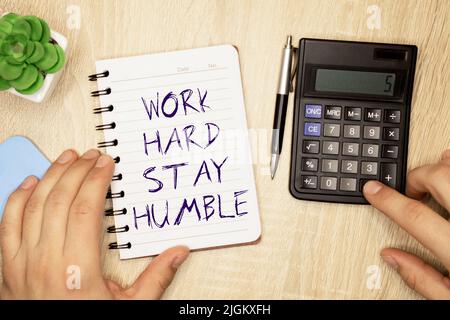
x=51 y=225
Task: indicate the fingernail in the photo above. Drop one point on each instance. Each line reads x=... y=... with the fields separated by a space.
x=65 y=157
x=103 y=161
x=372 y=187
x=28 y=182
x=446 y=154
x=179 y=259
x=91 y=154
x=390 y=261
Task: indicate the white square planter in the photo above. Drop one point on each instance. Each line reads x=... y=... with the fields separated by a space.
x=50 y=80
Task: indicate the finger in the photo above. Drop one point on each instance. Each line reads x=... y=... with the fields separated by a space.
x=86 y=213
x=60 y=198
x=11 y=226
x=419 y=276
x=446 y=156
x=433 y=179
x=154 y=280
x=32 y=219
x=421 y=222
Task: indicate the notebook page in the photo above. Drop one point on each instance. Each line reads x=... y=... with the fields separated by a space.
x=185 y=160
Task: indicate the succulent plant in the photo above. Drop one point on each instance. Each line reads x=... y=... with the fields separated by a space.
x=27 y=53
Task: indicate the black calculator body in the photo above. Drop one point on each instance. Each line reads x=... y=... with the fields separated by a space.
x=351 y=118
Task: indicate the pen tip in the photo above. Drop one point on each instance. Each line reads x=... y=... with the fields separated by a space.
x=273 y=164
x=289 y=41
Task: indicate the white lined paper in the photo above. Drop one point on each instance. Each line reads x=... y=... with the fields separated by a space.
x=215 y=70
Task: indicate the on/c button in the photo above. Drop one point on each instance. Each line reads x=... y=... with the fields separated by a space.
x=313 y=111
x=312 y=129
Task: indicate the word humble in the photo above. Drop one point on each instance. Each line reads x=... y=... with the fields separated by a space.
x=173 y=210
x=204 y=207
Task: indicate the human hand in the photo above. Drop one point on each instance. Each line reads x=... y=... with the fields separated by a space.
x=55 y=223
x=427 y=226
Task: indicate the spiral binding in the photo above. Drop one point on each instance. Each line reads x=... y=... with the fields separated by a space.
x=117 y=177
x=115 y=195
x=105 y=144
x=114 y=229
x=104 y=109
x=111 y=125
x=111 y=212
x=95 y=76
x=103 y=92
x=114 y=245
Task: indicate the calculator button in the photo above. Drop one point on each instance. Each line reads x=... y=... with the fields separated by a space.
x=370 y=150
x=309 y=182
x=388 y=174
x=390 y=151
x=332 y=112
x=313 y=111
x=309 y=164
x=347 y=184
x=331 y=130
x=310 y=146
x=312 y=129
x=351 y=131
x=362 y=182
x=369 y=168
x=330 y=147
x=328 y=183
x=350 y=149
x=349 y=166
x=371 y=132
x=330 y=165
x=352 y=113
x=392 y=116
x=391 y=134
x=373 y=115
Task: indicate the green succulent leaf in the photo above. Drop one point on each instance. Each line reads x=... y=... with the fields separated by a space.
x=30 y=49
x=4 y=85
x=36 y=27
x=14 y=46
x=26 y=79
x=45 y=32
x=5 y=26
x=50 y=57
x=11 y=17
x=10 y=71
x=61 y=60
x=22 y=27
x=35 y=86
x=3 y=35
x=37 y=54
x=16 y=61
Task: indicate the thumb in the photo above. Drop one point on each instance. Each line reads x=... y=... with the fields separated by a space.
x=154 y=280
x=418 y=275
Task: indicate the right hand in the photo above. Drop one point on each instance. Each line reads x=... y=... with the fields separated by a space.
x=427 y=226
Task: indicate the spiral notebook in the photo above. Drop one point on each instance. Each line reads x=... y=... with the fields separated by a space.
x=175 y=124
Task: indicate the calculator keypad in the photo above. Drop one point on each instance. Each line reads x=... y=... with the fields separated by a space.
x=344 y=146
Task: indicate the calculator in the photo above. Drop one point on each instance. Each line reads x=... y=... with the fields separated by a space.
x=351 y=118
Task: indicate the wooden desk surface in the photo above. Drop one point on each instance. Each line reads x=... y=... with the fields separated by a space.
x=307 y=249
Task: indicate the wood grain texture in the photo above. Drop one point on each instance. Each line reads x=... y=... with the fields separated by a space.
x=307 y=249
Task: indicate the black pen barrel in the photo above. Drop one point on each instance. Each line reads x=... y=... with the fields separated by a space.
x=279 y=122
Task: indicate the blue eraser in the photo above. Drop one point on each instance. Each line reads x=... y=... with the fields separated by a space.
x=19 y=158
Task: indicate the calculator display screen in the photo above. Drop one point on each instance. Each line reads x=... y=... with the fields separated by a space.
x=360 y=82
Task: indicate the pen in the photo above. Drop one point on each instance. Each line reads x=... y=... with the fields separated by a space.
x=281 y=106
